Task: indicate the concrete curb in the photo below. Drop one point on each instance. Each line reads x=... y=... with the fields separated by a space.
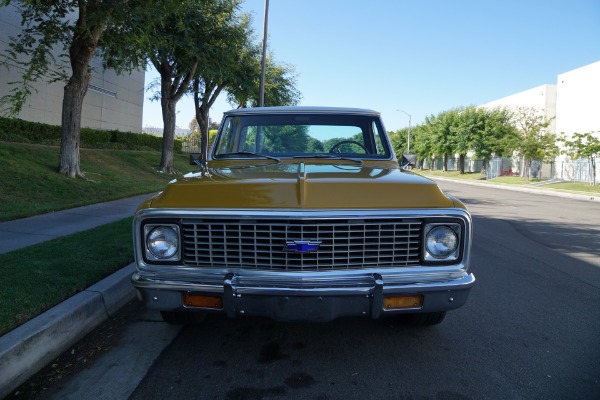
x=27 y=349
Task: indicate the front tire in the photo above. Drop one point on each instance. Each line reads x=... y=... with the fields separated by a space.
x=182 y=317
x=423 y=319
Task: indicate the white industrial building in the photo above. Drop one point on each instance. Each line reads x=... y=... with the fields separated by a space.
x=112 y=102
x=573 y=103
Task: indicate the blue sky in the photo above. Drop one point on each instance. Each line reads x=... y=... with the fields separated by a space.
x=422 y=57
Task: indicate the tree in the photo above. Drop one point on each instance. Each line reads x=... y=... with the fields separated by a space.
x=469 y=124
x=442 y=130
x=536 y=143
x=175 y=52
x=499 y=136
x=236 y=69
x=398 y=140
x=47 y=27
x=228 y=62
x=422 y=143
x=584 y=145
x=280 y=86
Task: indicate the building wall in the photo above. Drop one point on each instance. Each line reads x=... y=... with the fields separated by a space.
x=112 y=101
x=574 y=101
x=578 y=100
x=541 y=98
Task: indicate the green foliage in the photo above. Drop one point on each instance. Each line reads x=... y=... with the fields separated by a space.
x=485 y=132
x=499 y=135
x=66 y=26
x=584 y=145
x=20 y=131
x=535 y=142
x=280 y=84
x=398 y=140
x=288 y=138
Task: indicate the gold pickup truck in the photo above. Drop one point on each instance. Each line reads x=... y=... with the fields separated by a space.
x=302 y=213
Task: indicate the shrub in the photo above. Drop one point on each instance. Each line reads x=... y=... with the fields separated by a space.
x=18 y=130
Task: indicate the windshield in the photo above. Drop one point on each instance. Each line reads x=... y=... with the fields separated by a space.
x=302 y=135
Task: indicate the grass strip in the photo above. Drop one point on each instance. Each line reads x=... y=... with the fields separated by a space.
x=31 y=184
x=39 y=277
x=565 y=187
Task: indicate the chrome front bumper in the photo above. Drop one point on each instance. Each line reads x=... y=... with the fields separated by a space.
x=306 y=299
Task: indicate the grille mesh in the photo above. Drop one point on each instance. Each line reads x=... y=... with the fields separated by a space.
x=260 y=243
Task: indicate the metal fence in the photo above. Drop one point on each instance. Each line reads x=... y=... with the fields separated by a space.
x=190 y=145
x=574 y=171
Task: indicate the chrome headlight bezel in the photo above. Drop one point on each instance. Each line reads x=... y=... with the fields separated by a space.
x=455 y=232
x=174 y=255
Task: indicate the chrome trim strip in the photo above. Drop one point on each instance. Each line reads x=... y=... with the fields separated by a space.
x=304 y=213
x=372 y=285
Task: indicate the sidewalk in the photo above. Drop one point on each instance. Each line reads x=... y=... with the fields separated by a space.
x=29 y=231
x=30 y=347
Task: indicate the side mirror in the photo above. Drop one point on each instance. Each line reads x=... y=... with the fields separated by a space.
x=408 y=161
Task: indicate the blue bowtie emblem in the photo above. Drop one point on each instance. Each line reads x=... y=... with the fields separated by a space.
x=302 y=246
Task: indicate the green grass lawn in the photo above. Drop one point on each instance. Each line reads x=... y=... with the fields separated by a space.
x=38 y=277
x=30 y=183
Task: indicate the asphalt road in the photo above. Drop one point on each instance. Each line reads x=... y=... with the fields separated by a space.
x=530 y=330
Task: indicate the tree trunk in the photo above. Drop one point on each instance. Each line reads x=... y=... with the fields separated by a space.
x=202 y=103
x=74 y=93
x=203 y=120
x=593 y=171
x=461 y=163
x=168 y=142
x=484 y=166
x=81 y=50
x=445 y=166
x=172 y=88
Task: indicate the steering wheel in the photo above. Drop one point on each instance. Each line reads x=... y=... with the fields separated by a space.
x=334 y=148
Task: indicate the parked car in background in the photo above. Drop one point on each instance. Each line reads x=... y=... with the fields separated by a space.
x=303 y=213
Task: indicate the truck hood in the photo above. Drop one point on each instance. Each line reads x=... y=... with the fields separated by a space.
x=301 y=186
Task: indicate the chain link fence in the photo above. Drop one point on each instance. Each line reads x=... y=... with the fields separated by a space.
x=573 y=171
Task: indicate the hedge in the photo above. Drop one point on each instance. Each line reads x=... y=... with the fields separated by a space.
x=18 y=130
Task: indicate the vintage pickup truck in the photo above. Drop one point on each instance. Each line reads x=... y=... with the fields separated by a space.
x=302 y=213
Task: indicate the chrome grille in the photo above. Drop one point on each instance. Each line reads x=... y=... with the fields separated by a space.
x=260 y=243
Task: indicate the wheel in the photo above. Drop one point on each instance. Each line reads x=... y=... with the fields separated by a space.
x=182 y=317
x=423 y=319
x=334 y=148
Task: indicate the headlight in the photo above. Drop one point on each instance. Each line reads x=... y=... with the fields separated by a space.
x=441 y=242
x=162 y=242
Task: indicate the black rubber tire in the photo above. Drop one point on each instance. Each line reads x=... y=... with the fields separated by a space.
x=183 y=317
x=423 y=319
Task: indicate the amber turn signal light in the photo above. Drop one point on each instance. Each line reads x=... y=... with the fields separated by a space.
x=400 y=302
x=198 y=300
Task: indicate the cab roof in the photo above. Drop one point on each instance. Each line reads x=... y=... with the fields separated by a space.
x=301 y=110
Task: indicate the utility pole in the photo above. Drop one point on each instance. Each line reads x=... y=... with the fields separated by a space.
x=261 y=99
x=408 y=138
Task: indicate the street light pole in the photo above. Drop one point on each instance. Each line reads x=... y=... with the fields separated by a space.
x=261 y=99
x=408 y=138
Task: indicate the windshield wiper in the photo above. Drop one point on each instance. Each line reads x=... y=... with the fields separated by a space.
x=249 y=153
x=331 y=157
